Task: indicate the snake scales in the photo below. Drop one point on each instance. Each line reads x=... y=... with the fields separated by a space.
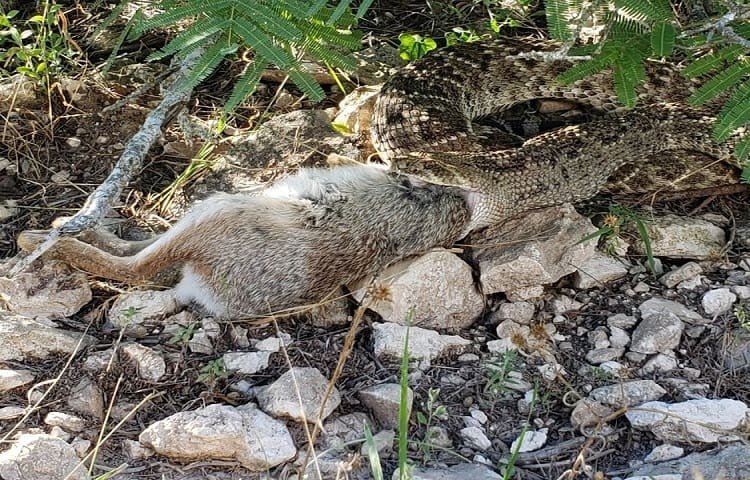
x=422 y=124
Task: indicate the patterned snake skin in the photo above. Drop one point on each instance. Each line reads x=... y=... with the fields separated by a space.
x=422 y=125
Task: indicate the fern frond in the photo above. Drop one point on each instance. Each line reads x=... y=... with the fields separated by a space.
x=589 y=67
x=734 y=114
x=742 y=151
x=316 y=7
x=558 y=22
x=295 y=8
x=195 y=8
x=363 y=7
x=263 y=44
x=245 y=85
x=628 y=73
x=268 y=20
x=713 y=61
x=662 y=39
x=719 y=84
x=329 y=55
x=192 y=37
x=207 y=64
x=306 y=83
x=340 y=10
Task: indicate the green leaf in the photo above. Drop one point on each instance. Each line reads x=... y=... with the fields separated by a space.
x=734 y=114
x=306 y=83
x=207 y=64
x=587 y=68
x=558 y=24
x=742 y=151
x=372 y=455
x=192 y=37
x=341 y=8
x=713 y=61
x=719 y=84
x=363 y=7
x=245 y=85
x=269 y=21
x=662 y=39
x=263 y=44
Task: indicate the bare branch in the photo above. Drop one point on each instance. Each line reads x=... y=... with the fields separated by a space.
x=721 y=26
x=100 y=201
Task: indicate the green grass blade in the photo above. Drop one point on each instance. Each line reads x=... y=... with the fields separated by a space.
x=372 y=455
x=403 y=407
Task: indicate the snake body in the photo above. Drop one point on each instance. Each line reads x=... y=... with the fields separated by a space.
x=423 y=125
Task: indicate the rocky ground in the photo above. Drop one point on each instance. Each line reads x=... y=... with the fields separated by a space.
x=537 y=350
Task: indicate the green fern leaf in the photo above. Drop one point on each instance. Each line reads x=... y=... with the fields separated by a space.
x=269 y=20
x=329 y=55
x=558 y=25
x=316 y=7
x=628 y=73
x=713 y=61
x=719 y=84
x=196 y=35
x=245 y=85
x=644 y=12
x=194 y=8
x=207 y=64
x=734 y=114
x=294 y=8
x=341 y=9
x=742 y=151
x=263 y=45
x=306 y=83
x=363 y=7
x=662 y=39
x=589 y=67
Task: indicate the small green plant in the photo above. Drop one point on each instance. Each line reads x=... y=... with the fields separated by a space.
x=36 y=47
x=499 y=369
x=372 y=455
x=431 y=410
x=743 y=316
x=183 y=334
x=414 y=46
x=212 y=372
x=615 y=221
x=600 y=374
x=404 y=468
x=459 y=34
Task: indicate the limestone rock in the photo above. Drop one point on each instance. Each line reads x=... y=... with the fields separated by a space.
x=139 y=312
x=384 y=401
x=682 y=237
x=150 y=365
x=461 y=471
x=246 y=363
x=662 y=453
x=87 y=398
x=10 y=379
x=599 y=270
x=728 y=462
x=532 y=440
x=661 y=305
x=41 y=457
x=681 y=274
x=627 y=394
x=718 y=301
x=539 y=261
x=281 y=398
x=519 y=312
x=588 y=413
x=22 y=338
x=474 y=437
x=437 y=287
x=66 y=421
x=423 y=344
x=221 y=432
x=52 y=291
x=656 y=333
x=704 y=420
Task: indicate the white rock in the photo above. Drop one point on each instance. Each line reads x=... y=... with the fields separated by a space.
x=138 y=312
x=135 y=451
x=87 y=398
x=388 y=339
x=10 y=379
x=282 y=397
x=718 y=301
x=8 y=209
x=221 y=432
x=270 y=344
x=535 y=262
x=564 y=304
x=613 y=368
x=519 y=312
x=150 y=364
x=598 y=270
x=682 y=237
x=52 y=291
x=626 y=394
x=681 y=274
x=201 y=342
x=532 y=440
x=72 y=142
x=247 y=363
x=41 y=457
x=666 y=476
x=69 y=422
x=22 y=338
x=474 y=437
x=9 y=413
x=618 y=338
x=657 y=333
x=58 y=432
x=239 y=336
x=81 y=446
x=664 y=452
x=344 y=429
x=704 y=420
x=601 y=355
x=384 y=402
x=742 y=292
x=660 y=305
x=435 y=290
x=661 y=362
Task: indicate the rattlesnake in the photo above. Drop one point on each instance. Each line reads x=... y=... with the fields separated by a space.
x=422 y=124
x=297 y=241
